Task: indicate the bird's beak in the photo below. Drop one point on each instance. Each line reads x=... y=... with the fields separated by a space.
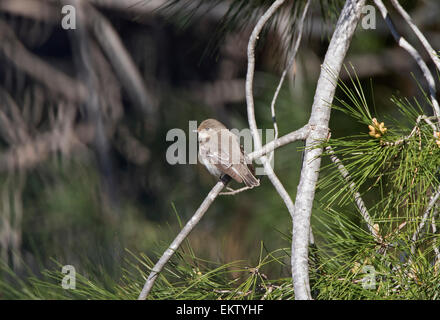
x=195 y=130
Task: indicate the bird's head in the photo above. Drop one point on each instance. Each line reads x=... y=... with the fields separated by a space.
x=208 y=127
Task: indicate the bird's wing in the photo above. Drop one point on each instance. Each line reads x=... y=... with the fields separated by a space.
x=223 y=149
x=226 y=154
x=236 y=167
x=214 y=154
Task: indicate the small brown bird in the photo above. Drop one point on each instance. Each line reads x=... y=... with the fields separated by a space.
x=220 y=152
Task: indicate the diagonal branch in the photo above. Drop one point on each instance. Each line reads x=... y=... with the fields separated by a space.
x=232 y=192
x=418 y=33
x=180 y=237
x=300 y=134
x=401 y=41
x=357 y=196
x=434 y=198
x=37 y=68
x=121 y=60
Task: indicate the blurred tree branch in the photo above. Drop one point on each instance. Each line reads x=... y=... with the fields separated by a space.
x=57 y=82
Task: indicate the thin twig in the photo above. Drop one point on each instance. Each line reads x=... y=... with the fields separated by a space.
x=241 y=293
x=418 y=232
x=429 y=122
x=233 y=192
x=418 y=33
x=357 y=196
x=288 y=67
x=405 y=138
x=434 y=230
x=250 y=103
x=401 y=41
x=180 y=237
x=300 y=134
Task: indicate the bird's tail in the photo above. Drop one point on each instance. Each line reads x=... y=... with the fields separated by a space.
x=250 y=180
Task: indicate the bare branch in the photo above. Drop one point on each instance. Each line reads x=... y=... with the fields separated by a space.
x=288 y=67
x=180 y=237
x=418 y=232
x=257 y=141
x=418 y=33
x=434 y=230
x=401 y=41
x=251 y=110
x=38 y=69
x=121 y=61
x=319 y=122
x=250 y=104
x=38 y=149
x=357 y=196
x=35 y=9
x=232 y=192
x=300 y=134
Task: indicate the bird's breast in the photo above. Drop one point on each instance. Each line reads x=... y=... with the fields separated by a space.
x=211 y=167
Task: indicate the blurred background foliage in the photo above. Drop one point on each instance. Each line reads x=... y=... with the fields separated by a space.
x=62 y=205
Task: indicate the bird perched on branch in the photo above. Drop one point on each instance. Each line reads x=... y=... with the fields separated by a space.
x=221 y=153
